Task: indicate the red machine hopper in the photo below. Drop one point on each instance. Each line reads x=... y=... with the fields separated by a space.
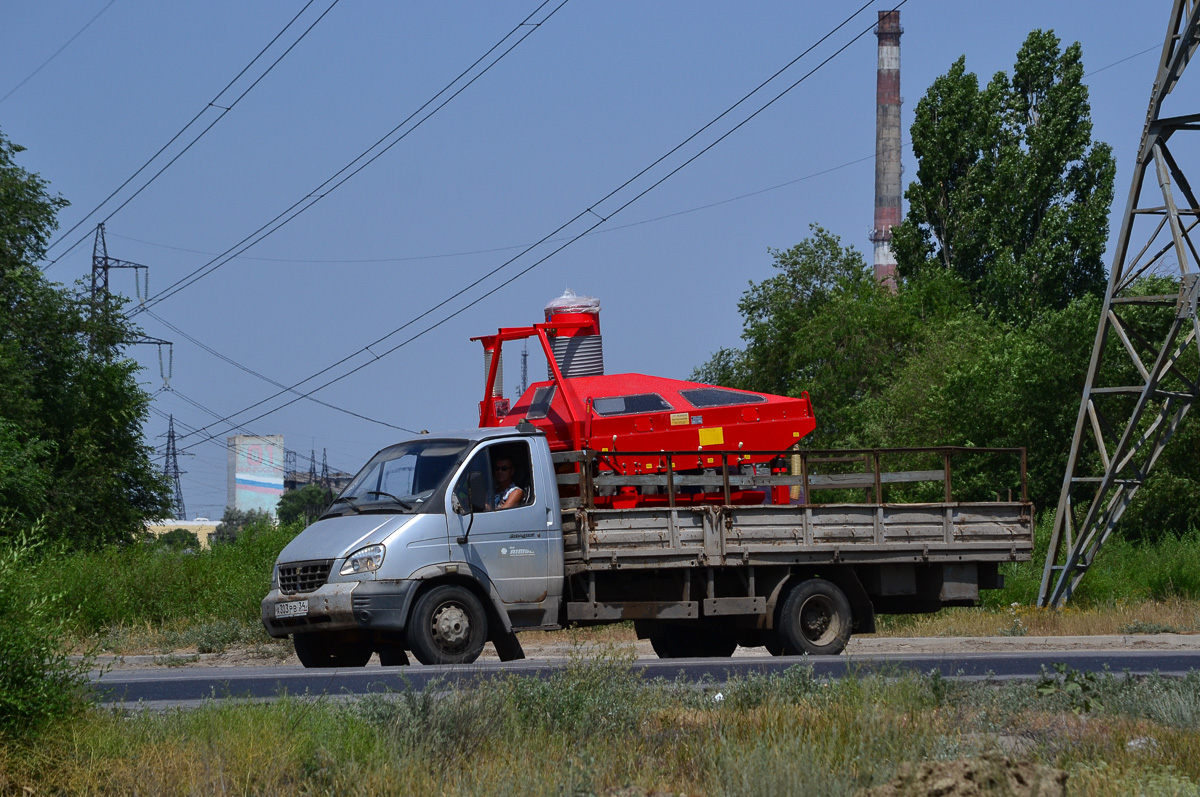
x=581 y=408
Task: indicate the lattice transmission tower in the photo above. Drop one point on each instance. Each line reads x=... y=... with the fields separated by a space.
x=101 y=265
x=172 y=471
x=1144 y=373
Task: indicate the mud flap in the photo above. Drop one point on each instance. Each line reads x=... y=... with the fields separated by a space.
x=508 y=647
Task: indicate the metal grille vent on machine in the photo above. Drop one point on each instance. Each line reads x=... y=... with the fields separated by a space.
x=579 y=351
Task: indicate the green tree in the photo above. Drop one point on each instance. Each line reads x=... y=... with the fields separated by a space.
x=235 y=520
x=1011 y=192
x=179 y=539
x=306 y=503
x=824 y=325
x=71 y=446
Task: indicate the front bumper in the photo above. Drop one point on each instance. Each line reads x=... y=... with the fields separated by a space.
x=349 y=605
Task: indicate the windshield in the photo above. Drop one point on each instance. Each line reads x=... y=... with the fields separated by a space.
x=400 y=478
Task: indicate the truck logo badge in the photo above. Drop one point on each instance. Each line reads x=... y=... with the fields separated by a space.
x=516 y=552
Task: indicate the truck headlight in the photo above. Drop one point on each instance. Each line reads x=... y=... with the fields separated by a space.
x=364 y=560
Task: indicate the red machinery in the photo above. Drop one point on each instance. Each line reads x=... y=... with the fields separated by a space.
x=580 y=407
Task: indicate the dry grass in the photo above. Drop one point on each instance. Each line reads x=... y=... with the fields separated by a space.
x=599 y=729
x=1177 y=615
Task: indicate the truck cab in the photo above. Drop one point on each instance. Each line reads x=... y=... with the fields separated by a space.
x=416 y=554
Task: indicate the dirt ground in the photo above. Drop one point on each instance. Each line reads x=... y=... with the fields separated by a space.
x=559 y=645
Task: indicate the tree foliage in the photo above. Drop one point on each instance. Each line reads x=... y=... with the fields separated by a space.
x=304 y=504
x=1011 y=193
x=235 y=520
x=986 y=341
x=71 y=446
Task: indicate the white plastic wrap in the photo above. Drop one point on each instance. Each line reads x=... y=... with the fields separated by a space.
x=570 y=303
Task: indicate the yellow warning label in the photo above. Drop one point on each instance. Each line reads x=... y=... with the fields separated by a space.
x=795 y=434
x=679 y=419
x=712 y=437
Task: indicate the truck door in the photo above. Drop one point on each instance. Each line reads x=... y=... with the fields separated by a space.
x=510 y=544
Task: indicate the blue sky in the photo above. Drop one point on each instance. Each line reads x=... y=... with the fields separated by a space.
x=592 y=96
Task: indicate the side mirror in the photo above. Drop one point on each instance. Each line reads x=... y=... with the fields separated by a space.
x=476 y=494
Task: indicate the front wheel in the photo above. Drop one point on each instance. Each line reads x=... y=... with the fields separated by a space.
x=324 y=651
x=448 y=626
x=815 y=619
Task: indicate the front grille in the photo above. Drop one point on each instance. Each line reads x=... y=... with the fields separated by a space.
x=303 y=576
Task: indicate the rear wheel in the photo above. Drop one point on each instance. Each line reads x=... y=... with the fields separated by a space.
x=448 y=626
x=815 y=618
x=323 y=650
x=692 y=642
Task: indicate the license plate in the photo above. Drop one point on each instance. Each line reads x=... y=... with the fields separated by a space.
x=291 y=609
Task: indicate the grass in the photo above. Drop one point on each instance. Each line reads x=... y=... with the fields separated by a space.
x=598 y=728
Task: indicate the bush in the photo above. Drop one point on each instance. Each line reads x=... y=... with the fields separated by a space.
x=146 y=583
x=180 y=540
x=39 y=682
x=234 y=520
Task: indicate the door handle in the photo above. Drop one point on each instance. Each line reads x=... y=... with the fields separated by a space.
x=549 y=517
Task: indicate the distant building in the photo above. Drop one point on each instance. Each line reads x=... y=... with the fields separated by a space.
x=203 y=528
x=255 y=472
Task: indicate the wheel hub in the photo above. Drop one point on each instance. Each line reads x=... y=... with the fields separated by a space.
x=816 y=620
x=451 y=627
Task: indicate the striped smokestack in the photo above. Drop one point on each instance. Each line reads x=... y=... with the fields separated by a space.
x=887 y=146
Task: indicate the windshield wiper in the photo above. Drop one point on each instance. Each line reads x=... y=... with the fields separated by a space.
x=349 y=499
x=401 y=502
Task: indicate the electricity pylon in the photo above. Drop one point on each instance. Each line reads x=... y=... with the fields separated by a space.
x=1144 y=374
x=171 y=471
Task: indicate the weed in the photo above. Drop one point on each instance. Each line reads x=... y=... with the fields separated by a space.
x=1140 y=627
x=39 y=682
x=1079 y=688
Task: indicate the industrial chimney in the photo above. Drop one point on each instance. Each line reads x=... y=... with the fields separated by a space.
x=887 y=146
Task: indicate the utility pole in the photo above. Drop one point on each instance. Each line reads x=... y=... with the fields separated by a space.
x=312 y=466
x=101 y=265
x=1125 y=422
x=325 y=468
x=171 y=471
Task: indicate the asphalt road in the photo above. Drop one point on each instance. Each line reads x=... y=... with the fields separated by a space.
x=164 y=687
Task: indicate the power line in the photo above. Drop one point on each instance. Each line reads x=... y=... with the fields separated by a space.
x=590 y=210
x=214 y=439
x=211 y=104
x=350 y=169
x=57 y=52
x=268 y=379
x=615 y=228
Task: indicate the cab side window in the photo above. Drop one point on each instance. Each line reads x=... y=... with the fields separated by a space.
x=481 y=464
x=505 y=474
x=512 y=475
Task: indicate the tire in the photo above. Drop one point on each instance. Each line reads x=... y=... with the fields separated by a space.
x=692 y=642
x=448 y=626
x=319 y=651
x=815 y=618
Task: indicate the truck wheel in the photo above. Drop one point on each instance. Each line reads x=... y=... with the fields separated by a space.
x=449 y=626
x=815 y=619
x=322 y=650
x=686 y=642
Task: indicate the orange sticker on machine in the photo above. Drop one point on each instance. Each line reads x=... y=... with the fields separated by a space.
x=714 y=436
x=679 y=419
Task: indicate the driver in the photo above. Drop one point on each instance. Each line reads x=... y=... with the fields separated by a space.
x=507 y=494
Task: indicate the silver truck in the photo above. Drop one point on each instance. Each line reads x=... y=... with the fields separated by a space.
x=414 y=556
